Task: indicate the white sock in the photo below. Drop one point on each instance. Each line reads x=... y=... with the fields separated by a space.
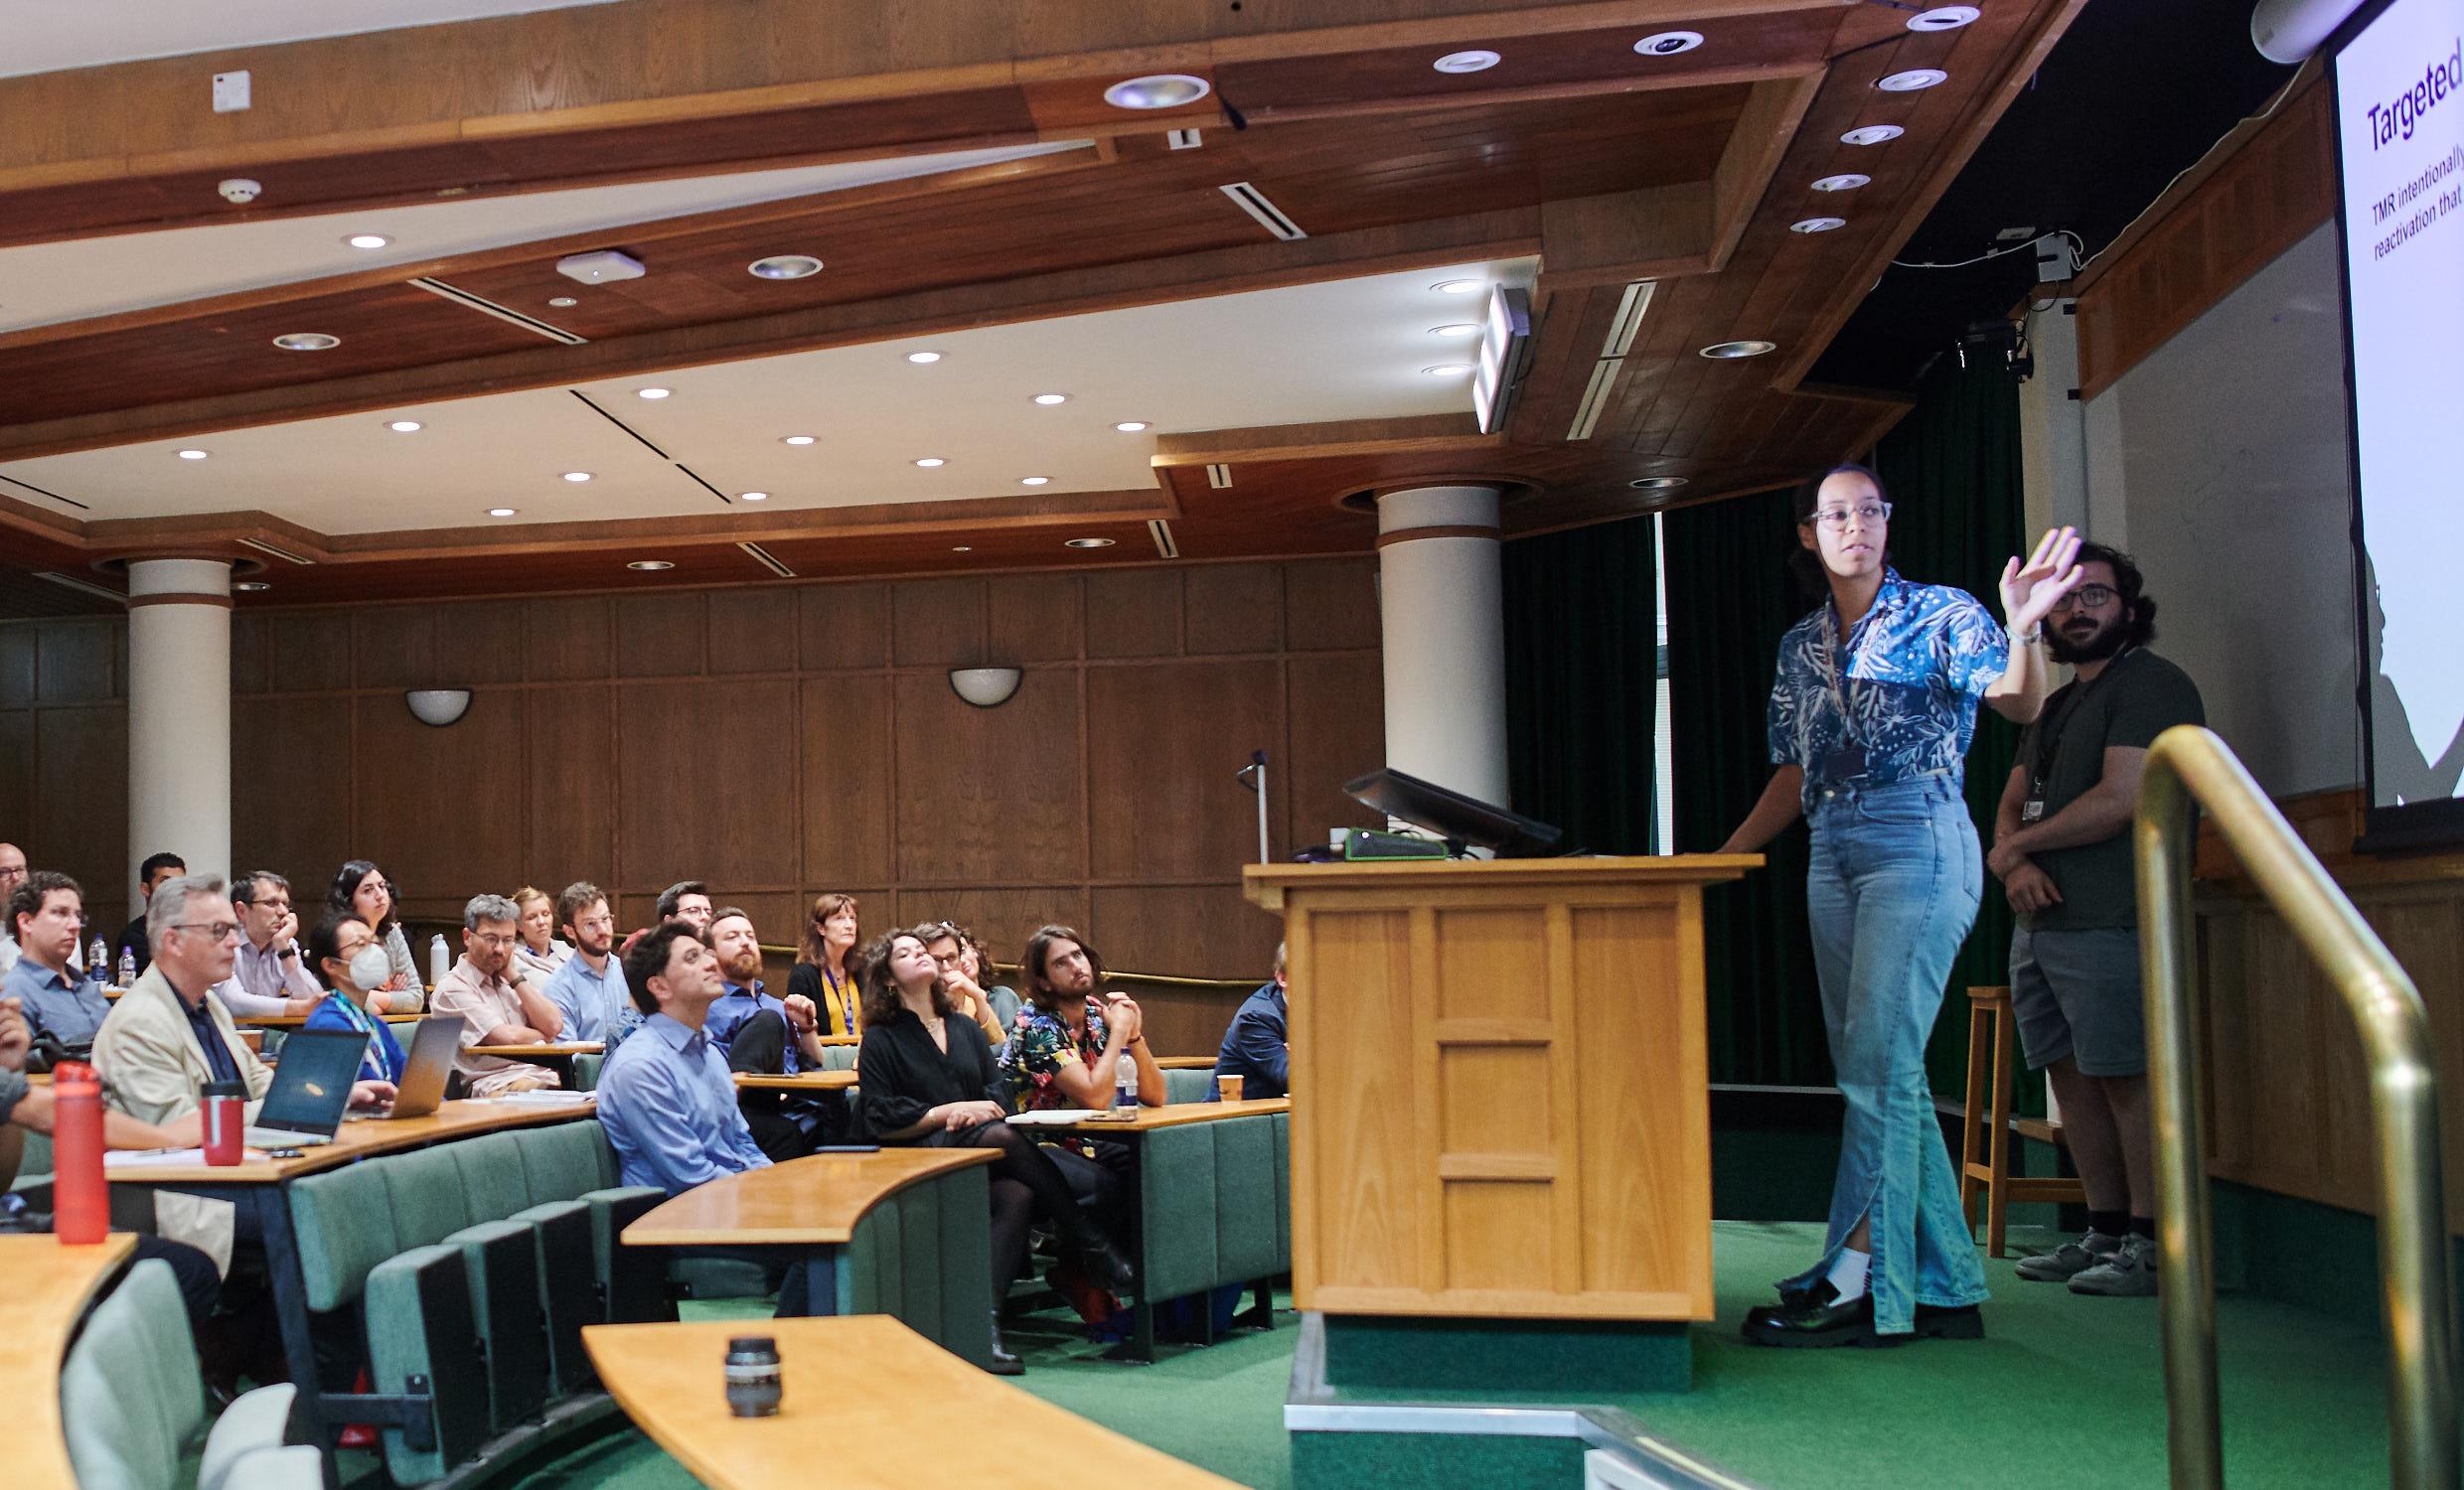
x=1848 y=1274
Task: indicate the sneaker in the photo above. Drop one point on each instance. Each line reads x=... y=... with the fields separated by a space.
x=2070 y=1260
x=2129 y=1272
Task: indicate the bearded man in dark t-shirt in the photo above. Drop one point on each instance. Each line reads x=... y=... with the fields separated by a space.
x=2062 y=848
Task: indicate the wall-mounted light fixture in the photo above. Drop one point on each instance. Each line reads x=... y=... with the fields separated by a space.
x=985 y=688
x=438 y=706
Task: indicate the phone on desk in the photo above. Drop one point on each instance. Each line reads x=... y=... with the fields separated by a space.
x=849 y=1148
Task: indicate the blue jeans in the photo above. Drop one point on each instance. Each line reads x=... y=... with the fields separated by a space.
x=1891 y=891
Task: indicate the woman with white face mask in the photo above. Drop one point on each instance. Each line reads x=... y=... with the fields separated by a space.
x=345 y=952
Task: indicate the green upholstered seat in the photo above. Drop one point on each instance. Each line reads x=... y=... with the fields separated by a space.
x=1214 y=1205
x=584 y=1077
x=1189 y=1085
x=839 y=1057
x=419 y=1324
x=569 y=1287
x=499 y=1259
x=924 y=1256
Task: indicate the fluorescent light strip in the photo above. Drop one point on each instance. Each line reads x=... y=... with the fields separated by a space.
x=1622 y=329
x=1270 y=217
x=72 y=582
x=261 y=546
x=1219 y=476
x=503 y=313
x=767 y=560
x=1594 y=397
x=1161 y=533
x=1629 y=320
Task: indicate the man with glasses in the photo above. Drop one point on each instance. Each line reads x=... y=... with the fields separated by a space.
x=2062 y=848
x=268 y=975
x=496 y=1009
x=12 y=874
x=589 y=990
x=61 y=1009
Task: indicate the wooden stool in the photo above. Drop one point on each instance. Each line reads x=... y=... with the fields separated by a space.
x=1988 y=1110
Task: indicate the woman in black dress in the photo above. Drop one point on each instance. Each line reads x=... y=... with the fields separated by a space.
x=928 y=1077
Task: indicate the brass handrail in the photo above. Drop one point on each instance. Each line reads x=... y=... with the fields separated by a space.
x=2186 y=768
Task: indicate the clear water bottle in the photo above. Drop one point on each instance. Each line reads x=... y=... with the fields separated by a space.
x=99 y=959
x=440 y=962
x=128 y=968
x=1125 y=1084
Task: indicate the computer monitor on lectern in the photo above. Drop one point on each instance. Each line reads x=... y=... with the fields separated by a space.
x=1450 y=814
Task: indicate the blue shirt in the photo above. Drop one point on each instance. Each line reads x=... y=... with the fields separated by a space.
x=1902 y=704
x=670 y=1108
x=596 y=1006
x=736 y=1005
x=384 y=1060
x=1253 y=1048
x=69 y=1012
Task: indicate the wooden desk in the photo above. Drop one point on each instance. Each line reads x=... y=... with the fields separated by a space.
x=1176 y=1115
x=560 y=1050
x=865 y=1397
x=808 y=1202
x=1186 y=1063
x=295 y=1021
x=49 y=1288
x=808 y=1080
x=355 y=1140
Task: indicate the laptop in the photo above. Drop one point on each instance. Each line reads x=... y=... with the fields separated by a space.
x=427 y=1064
x=311 y=1090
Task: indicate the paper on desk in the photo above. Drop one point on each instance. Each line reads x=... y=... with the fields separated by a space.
x=1057 y=1116
x=147 y=1158
x=550 y=1098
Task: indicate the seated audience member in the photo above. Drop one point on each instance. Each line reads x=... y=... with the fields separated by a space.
x=1257 y=1047
x=268 y=976
x=929 y=1079
x=61 y=1011
x=665 y=1098
x=360 y=889
x=538 y=952
x=766 y=1035
x=12 y=874
x=493 y=1008
x=589 y=990
x=964 y=966
x=354 y=963
x=822 y=972
x=166 y=1039
x=688 y=899
x=132 y=943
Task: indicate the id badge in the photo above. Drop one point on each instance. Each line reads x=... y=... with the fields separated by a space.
x=1845 y=763
x=2032 y=811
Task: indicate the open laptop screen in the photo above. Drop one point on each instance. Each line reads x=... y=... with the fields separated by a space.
x=312 y=1084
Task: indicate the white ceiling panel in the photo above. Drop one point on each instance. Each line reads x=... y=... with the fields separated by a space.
x=48 y=36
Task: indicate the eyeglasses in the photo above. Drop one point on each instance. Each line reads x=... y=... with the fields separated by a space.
x=2087 y=598
x=491 y=939
x=1836 y=518
x=220 y=931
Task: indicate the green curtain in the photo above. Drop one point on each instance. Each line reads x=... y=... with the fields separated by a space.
x=1582 y=665
x=1953 y=466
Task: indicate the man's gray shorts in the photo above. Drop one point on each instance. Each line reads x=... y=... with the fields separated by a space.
x=2076 y=993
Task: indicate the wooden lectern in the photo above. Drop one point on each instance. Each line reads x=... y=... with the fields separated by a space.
x=1501 y=1098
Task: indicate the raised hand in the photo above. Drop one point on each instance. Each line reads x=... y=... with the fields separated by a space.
x=2030 y=589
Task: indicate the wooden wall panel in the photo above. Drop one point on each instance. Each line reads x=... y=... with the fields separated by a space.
x=308 y=651
x=77 y=819
x=1330 y=605
x=989 y=795
x=294 y=819
x=479 y=643
x=440 y=808
x=78 y=662
x=17 y=648
x=938 y=622
x=566 y=640
x=1205 y=717
x=844 y=626
x=1200 y=931
x=707 y=784
x=1338 y=733
x=847 y=785
x=568 y=737
x=394 y=649
x=1001 y=919
x=248 y=643
x=753 y=631
x=1032 y=618
x=659 y=636
x=17 y=782
x=1134 y=613
x=1234 y=608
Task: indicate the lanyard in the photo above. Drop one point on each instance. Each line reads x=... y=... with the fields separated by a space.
x=2048 y=739
x=841 y=1012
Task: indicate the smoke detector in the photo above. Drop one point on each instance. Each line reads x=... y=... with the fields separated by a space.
x=239 y=191
x=600 y=267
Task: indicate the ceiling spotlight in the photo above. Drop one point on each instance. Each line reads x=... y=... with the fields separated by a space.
x=1916 y=79
x=192 y=455
x=1089 y=543
x=251 y=586
x=1657 y=483
x=1728 y=351
x=1158 y=90
x=754 y=496
x=648 y=564
x=922 y=357
x=563 y=302
x=1943 y=18
x=651 y=393
x=1050 y=399
x=1448 y=370
x=930 y=461
x=1847 y=181
x=795 y=439
x=1669 y=43
x=961 y=549
x=499 y=511
x=1871 y=134
x=785 y=266
x=1034 y=481
x=1131 y=426
x=368 y=241
x=1457 y=329
x=576 y=475
x=1817 y=224
x=1477 y=59
x=307 y=341
x=1459 y=286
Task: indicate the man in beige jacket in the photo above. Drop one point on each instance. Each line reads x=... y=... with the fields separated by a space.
x=167 y=1038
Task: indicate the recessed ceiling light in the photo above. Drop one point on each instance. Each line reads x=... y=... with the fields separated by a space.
x=1448 y=370
x=1089 y=543
x=1725 y=352
x=930 y=461
x=368 y=241
x=650 y=565
x=785 y=266
x=1668 y=42
x=252 y=586
x=1817 y=224
x=1913 y=81
x=1158 y=90
x=652 y=392
x=404 y=426
x=1477 y=59
x=754 y=496
x=1943 y=18
x=563 y=302
x=1459 y=286
x=1657 y=483
x=499 y=511
x=1871 y=134
x=1050 y=399
x=1846 y=180
x=307 y=341
x=1034 y=481
x=576 y=475
x=961 y=549
x=192 y=455
x=795 y=439
x=1131 y=426
x=922 y=357
x=1457 y=329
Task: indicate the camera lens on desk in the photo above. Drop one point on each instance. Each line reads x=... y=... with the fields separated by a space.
x=753 y=1387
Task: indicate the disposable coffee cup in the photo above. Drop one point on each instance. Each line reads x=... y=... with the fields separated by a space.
x=1228 y=1088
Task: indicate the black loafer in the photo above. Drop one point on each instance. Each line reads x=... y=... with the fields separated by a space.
x=1003 y=1362
x=1815 y=1321
x=1102 y=1263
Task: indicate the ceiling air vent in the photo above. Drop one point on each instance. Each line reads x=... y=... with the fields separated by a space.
x=767 y=560
x=1219 y=476
x=1612 y=348
x=261 y=546
x=1161 y=533
x=505 y=313
x=1253 y=201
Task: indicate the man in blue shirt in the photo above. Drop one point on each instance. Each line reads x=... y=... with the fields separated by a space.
x=770 y=1036
x=44 y=912
x=1257 y=1047
x=589 y=990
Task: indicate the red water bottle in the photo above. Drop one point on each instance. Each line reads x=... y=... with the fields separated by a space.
x=81 y=1205
x=226 y=1123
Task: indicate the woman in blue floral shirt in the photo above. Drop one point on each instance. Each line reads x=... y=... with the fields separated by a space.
x=1871 y=716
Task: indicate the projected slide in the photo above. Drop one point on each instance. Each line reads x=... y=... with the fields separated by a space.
x=2399 y=108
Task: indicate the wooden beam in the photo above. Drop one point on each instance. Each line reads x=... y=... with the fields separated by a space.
x=1623 y=236
x=1774 y=110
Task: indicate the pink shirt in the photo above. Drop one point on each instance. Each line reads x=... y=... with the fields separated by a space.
x=481 y=1005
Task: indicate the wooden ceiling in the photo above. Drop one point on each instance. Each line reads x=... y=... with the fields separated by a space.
x=1684 y=171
